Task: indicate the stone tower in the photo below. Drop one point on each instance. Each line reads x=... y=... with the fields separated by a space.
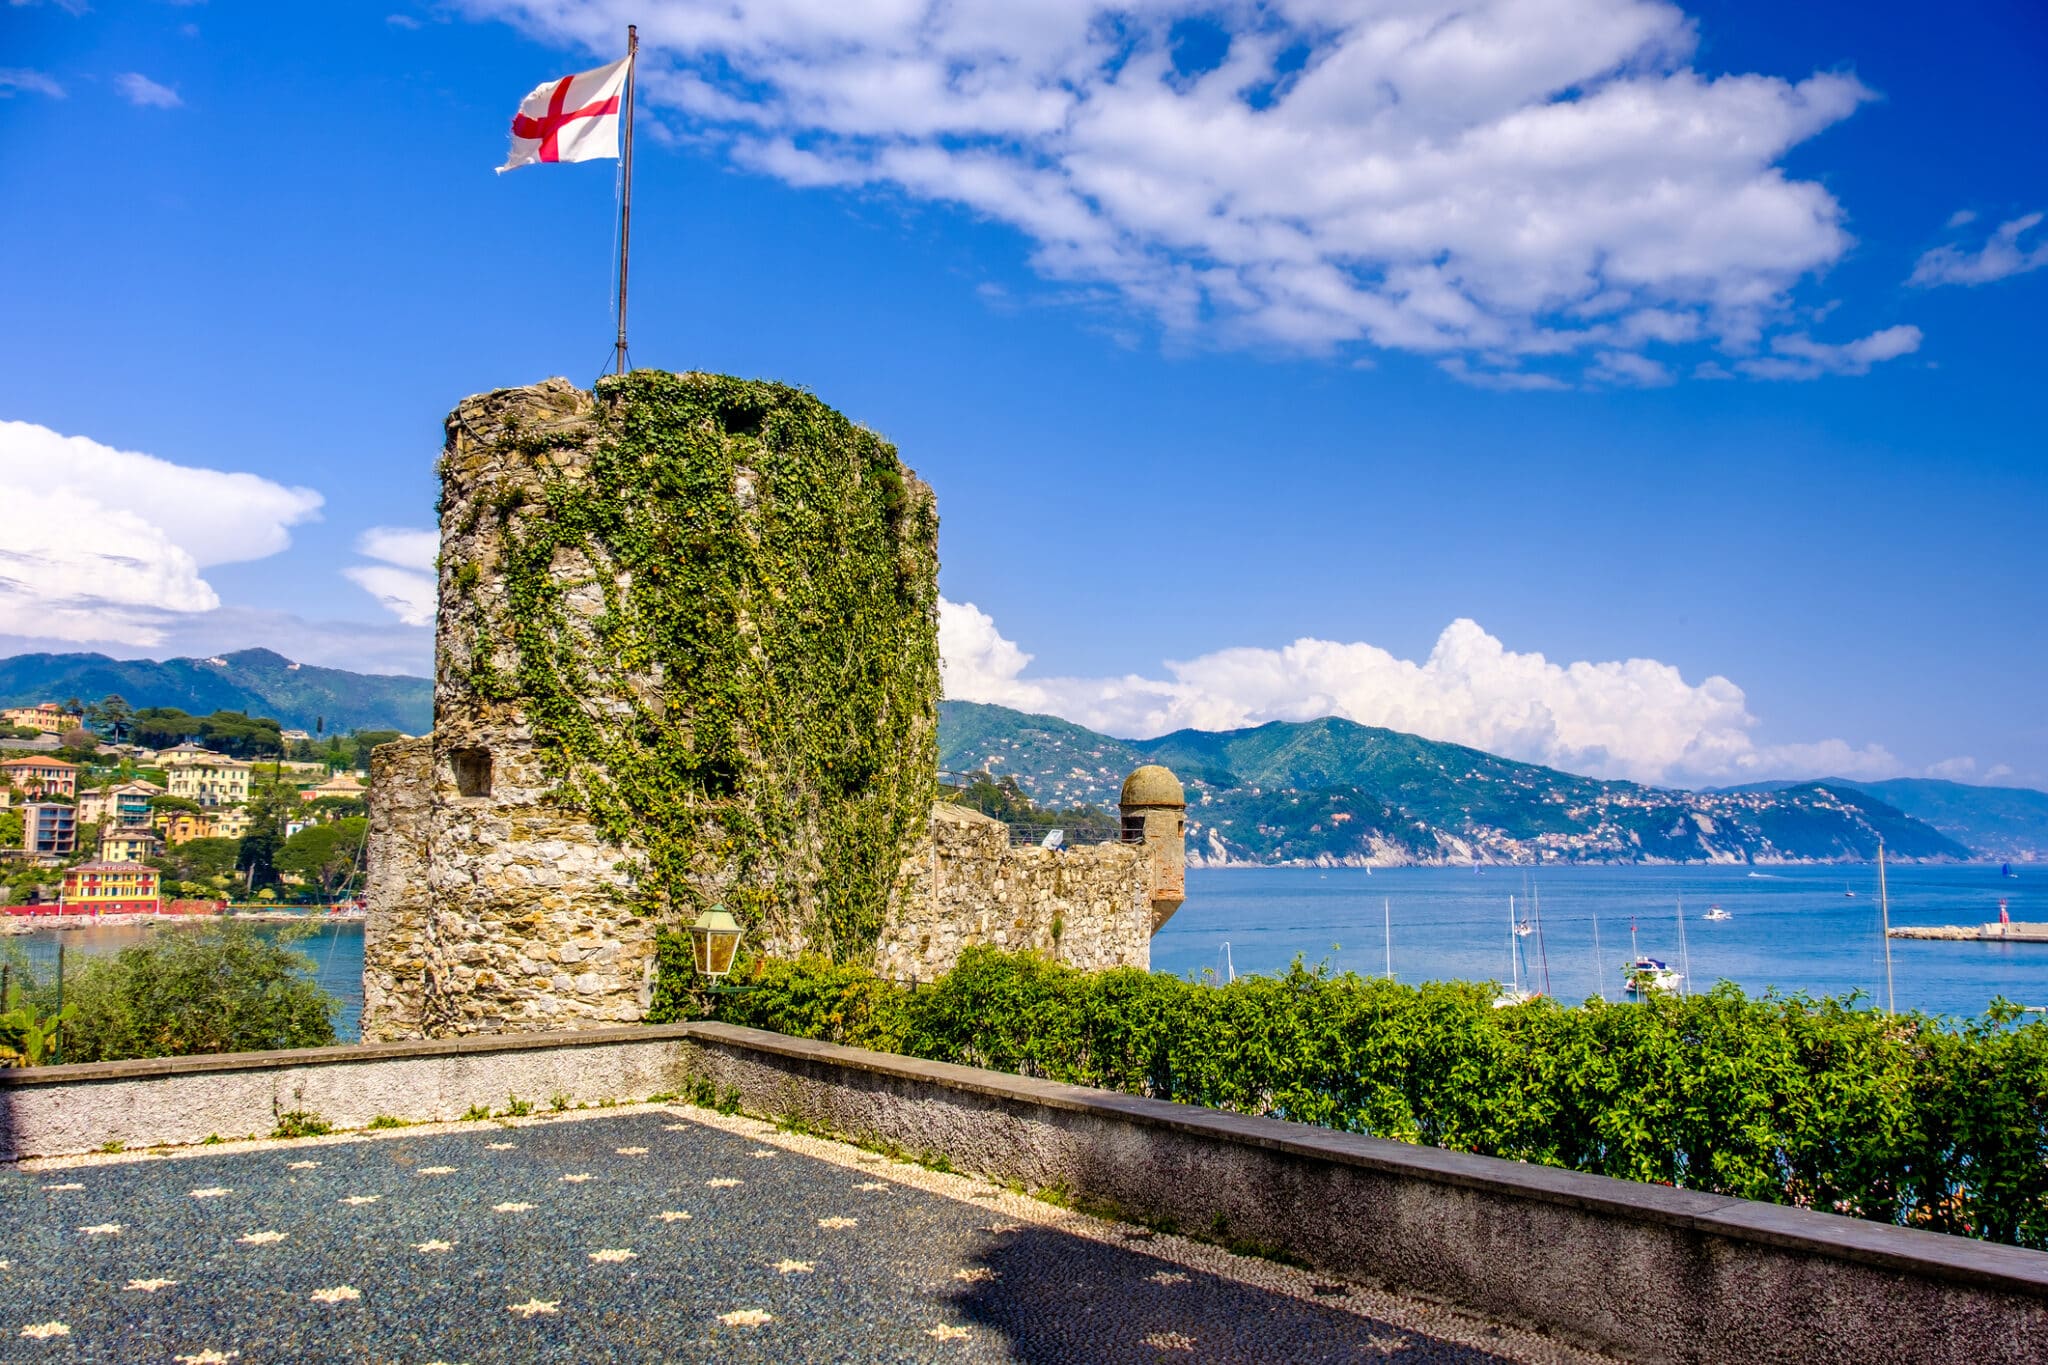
x=1155 y=815
x=686 y=652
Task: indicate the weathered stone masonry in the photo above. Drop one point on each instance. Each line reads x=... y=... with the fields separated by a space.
x=496 y=902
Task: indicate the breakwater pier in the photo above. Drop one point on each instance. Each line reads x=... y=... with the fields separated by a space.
x=1976 y=933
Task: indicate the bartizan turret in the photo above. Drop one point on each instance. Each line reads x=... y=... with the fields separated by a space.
x=1155 y=812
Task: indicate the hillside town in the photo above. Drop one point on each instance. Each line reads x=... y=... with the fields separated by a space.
x=106 y=810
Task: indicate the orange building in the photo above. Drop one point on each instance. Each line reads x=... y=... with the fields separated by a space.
x=42 y=776
x=111 y=889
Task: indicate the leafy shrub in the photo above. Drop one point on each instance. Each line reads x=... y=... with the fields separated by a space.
x=298 y=1123
x=223 y=988
x=1817 y=1103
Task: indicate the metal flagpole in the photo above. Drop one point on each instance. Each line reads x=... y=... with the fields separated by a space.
x=626 y=204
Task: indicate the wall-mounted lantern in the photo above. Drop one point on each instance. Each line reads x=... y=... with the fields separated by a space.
x=715 y=939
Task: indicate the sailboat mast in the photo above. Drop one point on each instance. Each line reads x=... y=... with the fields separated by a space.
x=1599 y=962
x=1387 y=906
x=1884 y=910
x=1542 y=948
x=1514 y=950
x=1684 y=955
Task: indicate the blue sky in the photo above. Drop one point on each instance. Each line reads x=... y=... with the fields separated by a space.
x=1639 y=389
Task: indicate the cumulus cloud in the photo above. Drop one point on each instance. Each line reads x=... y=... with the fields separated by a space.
x=144 y=93
x=403 y=583
x=14 y=79
x=1634 y=718
x=1534 y=187
x=106 y=545
x=2001 y=255
x=1799 y=356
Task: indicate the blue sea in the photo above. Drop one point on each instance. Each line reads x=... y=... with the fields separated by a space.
x=1793 y=929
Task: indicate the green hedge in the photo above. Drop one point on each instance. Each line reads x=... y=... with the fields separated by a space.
x=1817 y=1103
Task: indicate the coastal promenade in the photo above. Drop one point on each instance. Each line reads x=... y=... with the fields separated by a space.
x=643 y=1233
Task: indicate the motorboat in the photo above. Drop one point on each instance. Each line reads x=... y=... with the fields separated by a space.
x=1717 y=914
x=1646 y=975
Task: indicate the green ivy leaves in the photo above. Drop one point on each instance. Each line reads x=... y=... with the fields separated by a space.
x=724 y=621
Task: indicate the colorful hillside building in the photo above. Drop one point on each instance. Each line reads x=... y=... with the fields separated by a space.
x=49 y=830
x=126 y=803
x=130 y=844
x=48 y=718
x=111 y=889
x=208 y=778
x=182 y=827
x=41 y=776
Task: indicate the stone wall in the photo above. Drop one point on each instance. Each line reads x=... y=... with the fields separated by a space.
x=395 y=940
x=964 y=885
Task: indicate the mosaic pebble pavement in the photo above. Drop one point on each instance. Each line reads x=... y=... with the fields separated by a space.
x=647 y=1235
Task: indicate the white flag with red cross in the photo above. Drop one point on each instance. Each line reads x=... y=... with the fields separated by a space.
x=573 y=119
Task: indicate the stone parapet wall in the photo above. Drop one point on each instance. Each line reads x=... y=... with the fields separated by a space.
x=964 y=885
x=1645 y=1272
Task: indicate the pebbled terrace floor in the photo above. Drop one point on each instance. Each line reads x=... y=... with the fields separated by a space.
x=640 y=1234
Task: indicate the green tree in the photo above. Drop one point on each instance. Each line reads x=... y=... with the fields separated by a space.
x=272 y=806
x=337 y=807
x=241 y=736
x=223 y=988
x=171 y=805
x=327 y=855
x=111 y=716
x=199 y=861
x=366 y=740
x=163 y=727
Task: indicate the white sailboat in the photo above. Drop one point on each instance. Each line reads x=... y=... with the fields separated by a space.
x=1514 y=994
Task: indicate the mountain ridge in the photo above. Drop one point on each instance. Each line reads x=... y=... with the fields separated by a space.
x=1334 y=792
x=257 y=681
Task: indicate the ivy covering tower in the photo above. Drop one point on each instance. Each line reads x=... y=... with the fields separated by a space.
x=686 y=653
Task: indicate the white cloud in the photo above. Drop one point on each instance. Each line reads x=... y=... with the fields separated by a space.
x=1487 y=179
x=1634 y=718
x=2000 y=256
x=405 y=21
x=404 y=583
x=141 y=91
x=1798 y=356
x=403 y=546
x=408 y=596
x=1954 y=769
x=106 y=545
x=13 y=78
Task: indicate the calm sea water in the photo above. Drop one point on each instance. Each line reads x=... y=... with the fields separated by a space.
x=1793 y=928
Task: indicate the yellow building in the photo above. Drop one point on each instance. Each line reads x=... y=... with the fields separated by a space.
x=48 y=718
x=231 y=823
x=130 y=844
x=111 y=889
x=182 y=827
x=213 y=781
